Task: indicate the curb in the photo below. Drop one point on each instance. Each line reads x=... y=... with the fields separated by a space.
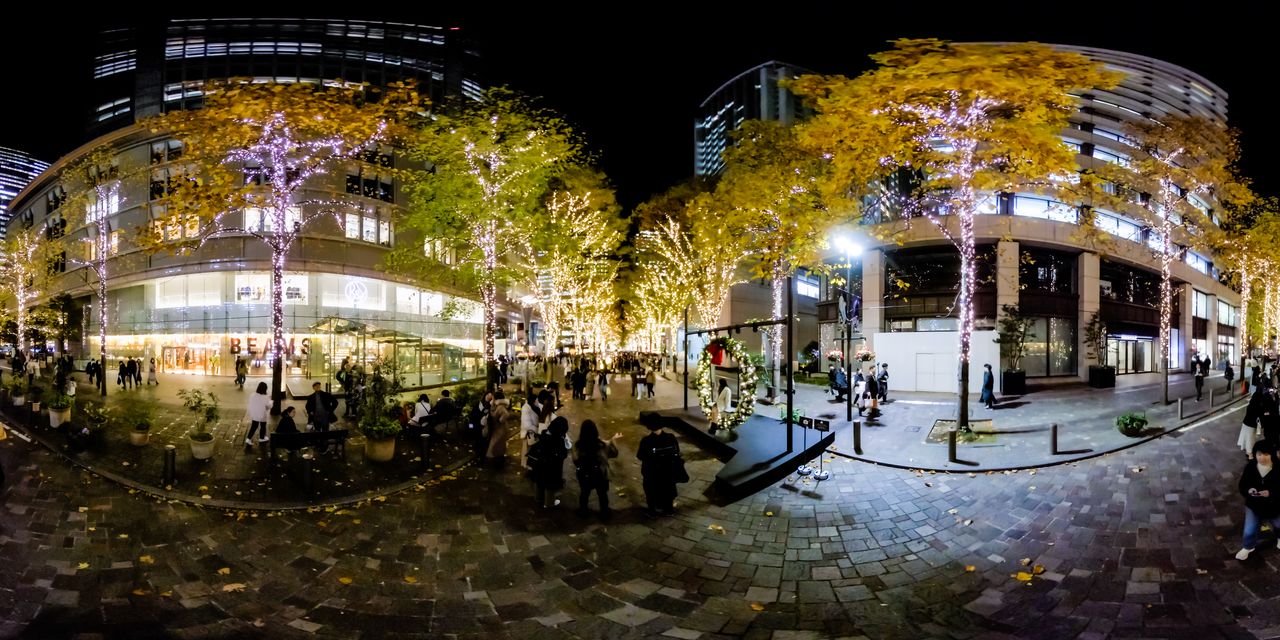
x=229 y=505
x=1225 y=408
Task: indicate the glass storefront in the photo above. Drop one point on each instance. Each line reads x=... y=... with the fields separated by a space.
x=1131 y=354
x=1050 y=348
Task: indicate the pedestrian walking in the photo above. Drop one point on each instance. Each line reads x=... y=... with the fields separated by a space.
x=1198 y=375
x=151 y=374
x=661 y=468
x=651 y=381
x=603 y=384
x=988 y=396
x=1260 y=487
x=1260 y=404
x=1229 y=374
x=872 y=394
x=591 y=465
x=122 y=377
x=882 y=382
x=496 y=453
x=136 y=365
x=259 y=406
x=530 y=420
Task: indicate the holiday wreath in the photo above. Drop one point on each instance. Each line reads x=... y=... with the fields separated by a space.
x=748 y=380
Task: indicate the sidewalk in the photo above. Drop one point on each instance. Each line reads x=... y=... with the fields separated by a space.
x=1021 y=425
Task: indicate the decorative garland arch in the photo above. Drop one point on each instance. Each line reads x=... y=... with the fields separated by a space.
x=749 y=381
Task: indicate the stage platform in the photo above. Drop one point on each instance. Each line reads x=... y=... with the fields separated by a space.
x=755 y=459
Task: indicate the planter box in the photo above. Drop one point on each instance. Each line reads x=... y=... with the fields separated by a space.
x=139 y=438
x=201 y=450
x=1102 y=377
x=380 y=450
x=1013 y=383
x=57 y=417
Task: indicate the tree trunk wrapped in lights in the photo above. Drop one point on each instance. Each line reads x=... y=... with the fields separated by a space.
x=960 y=119
x=250 y=155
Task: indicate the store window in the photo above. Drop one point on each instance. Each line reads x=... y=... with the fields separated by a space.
x=255 y=288
x=937 y=324
x=352 y=293
x=165 y=151
x=373 y=227
x=1051 y=348
x=105 y=203
x=438 y=250
x=1226 y=314
x=1226 y=350
x=264 y=220
x=1044 y=208
x=1199 y=304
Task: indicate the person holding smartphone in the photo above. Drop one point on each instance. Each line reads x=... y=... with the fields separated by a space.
x=1260 y=486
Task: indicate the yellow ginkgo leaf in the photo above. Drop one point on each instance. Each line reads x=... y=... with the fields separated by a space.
x=234 y=586
x=715 y=527
x=83 y=565
x=1025 y=561
x=968 y=568
x=411 y=579
x=1022 y=576
x=225 y=571
x=140 y=592
x=756 y=606
x=123 y=536
x=146 y=560
x=1037 y=570
x=344 y=580
x=768 y=514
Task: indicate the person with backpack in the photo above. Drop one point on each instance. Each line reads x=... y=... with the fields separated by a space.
x=661 y=468
x=591 y=463
x=547 y=458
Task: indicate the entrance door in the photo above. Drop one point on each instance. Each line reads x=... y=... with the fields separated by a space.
x=1131 y=355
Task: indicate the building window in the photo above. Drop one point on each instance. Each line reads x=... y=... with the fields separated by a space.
x=263 y=221
x=1226 y=350
x=162 y=182
x=113 y=63
x=54 y=199
x=367 y=182
x=439 y=251
x=165 y=151
x=171 y=228
x=937 y=324
x=1051 y=348
x=57 y=263
x=1117 y=226
x=113 y=245
x=807 y=287
x=1226 y=314
x=896 y=326
x=1047 y=271
x=1043 y=208
x=373 y=227
x=1108 y=156
x=106 y=202
x=1198 y=262
x=1199 y=304
x=108 y=110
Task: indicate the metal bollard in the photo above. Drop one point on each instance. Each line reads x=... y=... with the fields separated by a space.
x=857 y=437
x=308 y=462
x=1180 y=416
x=951 y=446
x=170 y=464
x=424 y=449
x=1053 y=439
x=1211 y=398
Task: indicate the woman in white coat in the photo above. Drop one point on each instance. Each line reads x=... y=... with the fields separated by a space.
x=724 y=402
x=259 y=405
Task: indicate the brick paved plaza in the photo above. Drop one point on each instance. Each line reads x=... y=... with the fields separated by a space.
x=1136 y=544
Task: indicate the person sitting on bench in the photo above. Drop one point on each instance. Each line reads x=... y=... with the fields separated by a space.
x=287 y=425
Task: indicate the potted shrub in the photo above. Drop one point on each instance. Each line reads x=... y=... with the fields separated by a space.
x=18 y=392
x=1011 y=335
x=34 y=395
x=1101 y=376
x=1131 y=424
x=94 y=431
x=380 y=433
x=136 y=412
x=204 y=405
x=60 y=409
x=377 y=424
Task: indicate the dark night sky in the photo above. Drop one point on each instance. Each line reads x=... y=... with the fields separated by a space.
x=630 y=80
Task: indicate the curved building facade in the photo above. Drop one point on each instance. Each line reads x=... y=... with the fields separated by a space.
x=197 y=313
x=753 y=94
x=1032 y=255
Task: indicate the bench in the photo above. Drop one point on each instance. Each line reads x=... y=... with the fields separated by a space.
x=295 y=441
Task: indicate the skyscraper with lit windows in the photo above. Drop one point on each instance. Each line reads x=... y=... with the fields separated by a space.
x=17 y=170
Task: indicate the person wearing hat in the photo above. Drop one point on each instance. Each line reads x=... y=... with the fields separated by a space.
x=659 y=455
x=1260 y=486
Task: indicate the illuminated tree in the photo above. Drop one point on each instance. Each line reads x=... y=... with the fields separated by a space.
x=1181 y=166
x=493 y=160
x=251 y=153
x=570 y=247
x=772 y=182
x=952 y=121
x=1246 y=253
x=25 y=273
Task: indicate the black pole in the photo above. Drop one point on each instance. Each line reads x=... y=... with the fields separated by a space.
x=848 y=340
x=787 y=361
x=686 y=358
x=102 y=377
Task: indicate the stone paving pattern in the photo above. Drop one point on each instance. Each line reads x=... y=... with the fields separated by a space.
x=1136 y=544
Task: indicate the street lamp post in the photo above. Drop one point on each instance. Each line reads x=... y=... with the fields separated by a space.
x=850 y=251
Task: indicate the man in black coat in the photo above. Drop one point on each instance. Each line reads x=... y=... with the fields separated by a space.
x=320 y=407
x=659 y=454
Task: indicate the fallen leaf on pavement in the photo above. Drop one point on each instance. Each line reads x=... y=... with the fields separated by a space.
x=1201 y=572
x=968 y=568
x=410 y=579
x=225 y=571
x=1025 y=561
x=1022 y=576
x=146 y=560
x=953 y=511
x=756 y=606
x=1037 y=570
x=716 y=528
x=83 y=565
x=344 y=580
x=234 y=586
